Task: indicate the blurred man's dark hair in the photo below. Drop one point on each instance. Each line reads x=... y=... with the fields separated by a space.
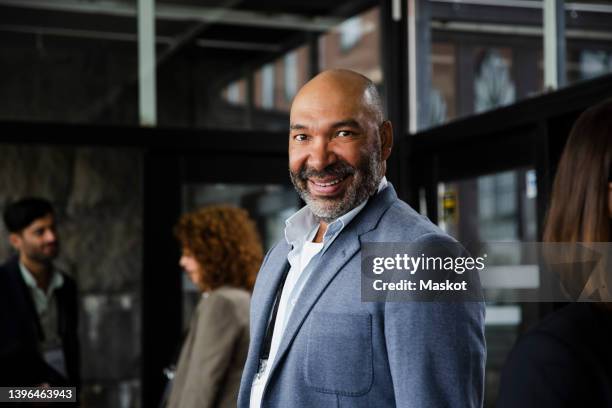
x=22 y=213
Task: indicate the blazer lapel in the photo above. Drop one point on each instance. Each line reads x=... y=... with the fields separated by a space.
x=29 y=309
x=327 y=266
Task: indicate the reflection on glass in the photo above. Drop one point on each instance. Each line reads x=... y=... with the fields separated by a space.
x=354 y=44
x=482 y=55
x=437 y=108
x=274 y=86
x=493 y=86
x=507 y=40
x=497 y=201
x=291 y=74
x=595 y=63
x=443 y=85
x=235 y=93
x=350 y=33
x=267 y=86
x=495 y=207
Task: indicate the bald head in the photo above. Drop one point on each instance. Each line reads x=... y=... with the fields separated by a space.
x=345 y=86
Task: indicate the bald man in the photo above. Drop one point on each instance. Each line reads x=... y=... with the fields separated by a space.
x=314 y=343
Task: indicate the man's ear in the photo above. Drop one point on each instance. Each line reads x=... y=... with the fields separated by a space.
x=15 y=240
x=386 y=139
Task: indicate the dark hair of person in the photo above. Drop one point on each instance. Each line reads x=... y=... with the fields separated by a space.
x=20 y=214
x=225 y=242
x=578 y=209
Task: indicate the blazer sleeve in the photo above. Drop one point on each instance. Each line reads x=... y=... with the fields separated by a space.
x=219 y=327
x=436 y=350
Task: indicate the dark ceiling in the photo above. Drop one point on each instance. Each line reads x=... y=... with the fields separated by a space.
x=240 y=32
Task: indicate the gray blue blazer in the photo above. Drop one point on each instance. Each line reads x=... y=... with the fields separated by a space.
x=338 y=351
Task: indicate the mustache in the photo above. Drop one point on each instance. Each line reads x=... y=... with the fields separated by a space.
x=338 y=169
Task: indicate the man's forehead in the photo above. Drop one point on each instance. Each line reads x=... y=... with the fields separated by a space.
x=325 y=111
x=328 y=109
x=329 y=93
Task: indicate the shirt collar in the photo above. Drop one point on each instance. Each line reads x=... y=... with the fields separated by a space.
x=302 y=224
x=56 y=282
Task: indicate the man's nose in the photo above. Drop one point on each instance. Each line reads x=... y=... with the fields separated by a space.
x=321 y=155
x=51 y=235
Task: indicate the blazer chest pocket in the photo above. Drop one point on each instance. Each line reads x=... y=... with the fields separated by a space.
x=339 y=353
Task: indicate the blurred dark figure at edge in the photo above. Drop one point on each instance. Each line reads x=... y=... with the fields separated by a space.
x=221 y=254
x=38 y=303
x=566 y=360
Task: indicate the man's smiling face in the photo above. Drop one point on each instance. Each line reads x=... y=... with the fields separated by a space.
x=335 y=158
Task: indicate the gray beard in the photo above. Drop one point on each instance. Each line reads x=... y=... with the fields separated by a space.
x=366 y=179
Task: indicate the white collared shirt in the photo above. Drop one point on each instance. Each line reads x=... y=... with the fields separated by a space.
x=300 y=230
x=40 y=298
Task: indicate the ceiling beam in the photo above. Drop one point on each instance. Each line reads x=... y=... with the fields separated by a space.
x=176 y=12
x=76 y=33
x=518 y=30
x=530 y=4
x=131 y=37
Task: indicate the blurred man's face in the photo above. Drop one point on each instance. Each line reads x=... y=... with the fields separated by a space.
x=335 y=160
x=39 y=241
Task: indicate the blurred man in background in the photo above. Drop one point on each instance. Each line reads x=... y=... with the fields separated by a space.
x=38 y=304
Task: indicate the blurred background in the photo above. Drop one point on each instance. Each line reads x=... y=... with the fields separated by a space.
x=127 y=113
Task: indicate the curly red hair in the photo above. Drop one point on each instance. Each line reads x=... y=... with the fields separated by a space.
x=224 y=241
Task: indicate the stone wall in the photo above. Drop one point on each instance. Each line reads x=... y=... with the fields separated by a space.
x=97 y=193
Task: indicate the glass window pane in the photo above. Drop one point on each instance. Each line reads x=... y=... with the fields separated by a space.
x=274 y=86
x=493 y=83
x=350 y=33
x=267 y=86
x=235 y=93
x=291 y=74
x=482 y=55
x=442 y=103
x=493 y=208
x=354 y=44
x=70 y=67
x=588 y=34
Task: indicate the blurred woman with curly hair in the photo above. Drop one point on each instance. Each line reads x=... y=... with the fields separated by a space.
x=221 y=254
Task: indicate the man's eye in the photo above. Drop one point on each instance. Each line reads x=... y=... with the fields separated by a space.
x=300 y=138
x=345 y=133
